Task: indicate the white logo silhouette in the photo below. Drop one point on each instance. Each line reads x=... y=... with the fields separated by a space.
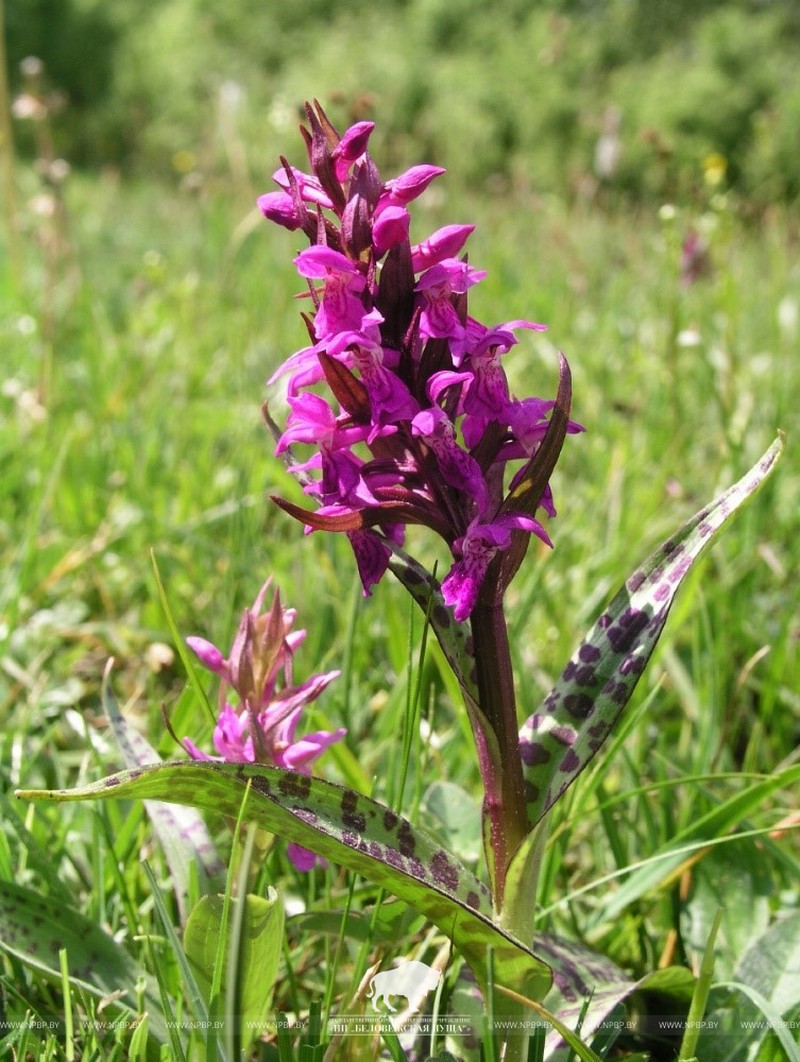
x=412 y=980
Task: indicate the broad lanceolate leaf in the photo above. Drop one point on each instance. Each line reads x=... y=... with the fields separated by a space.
x=348 y=829
x=258 y=953
x=576 y=717
x=33 y=928
x=587 y=990
x=181 y=831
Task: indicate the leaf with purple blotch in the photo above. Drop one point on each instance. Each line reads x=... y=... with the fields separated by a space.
x=181 y=831
x=454 y=638
x=588 y=988
x=562 y=737
x=455 y=641
x=351 y=830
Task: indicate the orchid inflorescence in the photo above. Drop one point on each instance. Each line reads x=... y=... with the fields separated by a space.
x=262 y=726
x=425 y=427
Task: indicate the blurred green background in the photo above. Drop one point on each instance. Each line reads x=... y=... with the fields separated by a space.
x=509 y=89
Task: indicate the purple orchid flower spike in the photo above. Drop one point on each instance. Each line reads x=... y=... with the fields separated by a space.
x=262 y=726
x=418 y=424
x=427 y=430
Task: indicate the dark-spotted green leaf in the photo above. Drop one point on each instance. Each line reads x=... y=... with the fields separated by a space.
x=257 y=956
x=588 y=988
x=576 y=717
x=454 y=638
x=349 y=829
x=181 y=831
x=34 y=928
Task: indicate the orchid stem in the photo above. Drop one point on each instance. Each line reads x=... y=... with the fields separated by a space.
x=505 y=796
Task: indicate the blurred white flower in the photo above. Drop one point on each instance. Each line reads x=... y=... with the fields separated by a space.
x=689 y=337
x=788 y=316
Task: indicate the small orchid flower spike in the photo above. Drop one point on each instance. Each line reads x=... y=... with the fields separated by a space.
x=261 y=727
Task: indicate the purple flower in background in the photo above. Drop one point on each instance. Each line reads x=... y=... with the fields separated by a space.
x=695 y=258
x=418 y=424
x=262 y=726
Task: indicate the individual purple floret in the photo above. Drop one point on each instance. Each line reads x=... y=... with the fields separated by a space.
x=423 y=428
x=262 y=726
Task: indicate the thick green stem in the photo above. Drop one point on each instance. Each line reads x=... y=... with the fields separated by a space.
x=504 y=795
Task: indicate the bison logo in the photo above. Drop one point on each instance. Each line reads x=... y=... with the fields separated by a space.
x=412 y=980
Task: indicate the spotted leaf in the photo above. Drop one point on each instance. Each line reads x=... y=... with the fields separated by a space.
x=588 y=988
x=576 y=717
x=454 y=638
x=348 y=829
x=182 y=833
x=34 y=928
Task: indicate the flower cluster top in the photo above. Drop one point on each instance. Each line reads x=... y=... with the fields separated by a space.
x=422 y=427
x=260 y=726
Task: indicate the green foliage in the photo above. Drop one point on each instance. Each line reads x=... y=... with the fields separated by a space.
x=34 y=929
x=512 y=91
x=78 y=41
x=250 y=976
x=578 y=715
x=355 y=832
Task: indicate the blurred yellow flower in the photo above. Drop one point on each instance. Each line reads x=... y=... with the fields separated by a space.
x=184 y=161
x=715 y=166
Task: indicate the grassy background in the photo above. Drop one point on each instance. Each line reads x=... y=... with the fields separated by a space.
x=526 y=88
x=137 y=328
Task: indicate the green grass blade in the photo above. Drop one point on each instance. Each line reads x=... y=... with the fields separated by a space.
x=584 y=1053
x=34 y=928
x=389 y=1037
x=773 y=1017
x=708 y=829
x=187 y=658
x=697 y=1007
x=197 y=1003
x=183 y=835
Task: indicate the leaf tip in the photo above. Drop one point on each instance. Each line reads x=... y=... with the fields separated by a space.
x=37 y=794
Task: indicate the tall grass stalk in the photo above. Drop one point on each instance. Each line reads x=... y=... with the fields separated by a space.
x=7 y=165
